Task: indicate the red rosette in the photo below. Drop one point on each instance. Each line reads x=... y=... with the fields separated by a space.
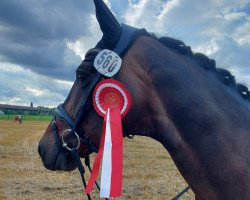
x=110 y=93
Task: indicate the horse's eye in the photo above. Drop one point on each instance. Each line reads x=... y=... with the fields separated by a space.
x=81 y=76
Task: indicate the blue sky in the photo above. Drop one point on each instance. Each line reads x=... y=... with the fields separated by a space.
x=43 y=42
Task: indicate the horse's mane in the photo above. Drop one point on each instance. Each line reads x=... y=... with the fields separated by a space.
x=209 y=64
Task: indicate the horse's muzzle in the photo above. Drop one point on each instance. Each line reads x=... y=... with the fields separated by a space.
x=56 y=159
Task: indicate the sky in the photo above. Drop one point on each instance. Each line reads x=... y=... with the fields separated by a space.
x=43 y=42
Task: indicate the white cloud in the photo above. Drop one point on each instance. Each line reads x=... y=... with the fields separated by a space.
x=234 y=16
x=83 y=44
x=142 y=13
x=15 y=100
x=210 y=48
x=35 y=92
x=167 y=7
x=25 y=86
x=242 y=34
x=219 y=29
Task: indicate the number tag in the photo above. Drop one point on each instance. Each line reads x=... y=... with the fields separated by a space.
x=107 y=63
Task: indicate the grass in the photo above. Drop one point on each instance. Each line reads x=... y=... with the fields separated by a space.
x=44 y=118
x=149 y=172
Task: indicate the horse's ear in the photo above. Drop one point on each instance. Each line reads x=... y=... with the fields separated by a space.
x=110 y=27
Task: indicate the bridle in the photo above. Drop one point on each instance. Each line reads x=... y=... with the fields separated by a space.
x=75 y=129
x=127 y=33
x=77 y=132
x=74 y=125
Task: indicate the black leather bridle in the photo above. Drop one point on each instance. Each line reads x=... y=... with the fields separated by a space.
x=127 y=33
x=60 y=113
x=74 y=126
x=75 y=129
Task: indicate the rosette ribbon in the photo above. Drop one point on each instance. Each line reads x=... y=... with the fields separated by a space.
x=112 y=101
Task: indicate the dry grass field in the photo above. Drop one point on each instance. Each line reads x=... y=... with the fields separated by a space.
x=149 y=173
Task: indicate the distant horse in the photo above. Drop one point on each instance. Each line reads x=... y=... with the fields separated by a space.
x=18 y=118
x=195 y=110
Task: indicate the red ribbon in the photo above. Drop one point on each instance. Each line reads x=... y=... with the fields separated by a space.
x=115 y=186
x=97 y=162
x=117 y=152
x=112 y=101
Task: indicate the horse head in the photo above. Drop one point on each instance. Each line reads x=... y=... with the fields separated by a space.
x=179 y=99
x=79 y=98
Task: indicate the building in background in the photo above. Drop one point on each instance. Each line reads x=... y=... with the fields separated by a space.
x=24 y=110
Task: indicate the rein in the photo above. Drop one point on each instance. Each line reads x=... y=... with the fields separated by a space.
x=75 y=129
x=61 y=144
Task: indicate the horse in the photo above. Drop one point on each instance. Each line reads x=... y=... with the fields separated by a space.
x=18 y=118
x=181 y=99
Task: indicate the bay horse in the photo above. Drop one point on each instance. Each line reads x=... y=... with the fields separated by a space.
x=18 y=118
x=181 y=99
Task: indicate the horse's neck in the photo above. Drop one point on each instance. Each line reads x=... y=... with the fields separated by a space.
x=202 y=125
